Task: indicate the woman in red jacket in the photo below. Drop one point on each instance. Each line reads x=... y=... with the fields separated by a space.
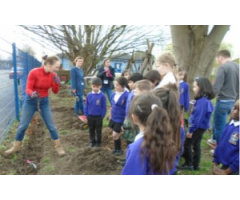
x=39 y=81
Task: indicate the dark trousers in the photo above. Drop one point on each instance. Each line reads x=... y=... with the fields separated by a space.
x=192 y=148
x=95 y=127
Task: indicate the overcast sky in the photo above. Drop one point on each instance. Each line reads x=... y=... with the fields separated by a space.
x=14 y=34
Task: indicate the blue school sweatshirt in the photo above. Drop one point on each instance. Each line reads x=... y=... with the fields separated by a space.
x=227 y=151
x=77 y=80
x=129 y=99
x=95 y=104
x=184 y=95
x=135 y=165
x=118 y=110
x=201 y=114
x=182 y=132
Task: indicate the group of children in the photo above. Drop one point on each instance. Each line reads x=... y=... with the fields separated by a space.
x=148 y=113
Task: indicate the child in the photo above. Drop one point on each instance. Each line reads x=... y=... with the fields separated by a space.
x=167 y=68
x=200 y=121
x=130 y=132
x=184 y=93
x=131 y=83
x=142 y=87
x=95 y=110
x=118 y=111
x=169 y=98
x=153 y=151
x=227 y=151
x=154 y=77
x=125 y=74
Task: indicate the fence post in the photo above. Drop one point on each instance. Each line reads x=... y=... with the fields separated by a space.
x=14 y=54
x=26 y=64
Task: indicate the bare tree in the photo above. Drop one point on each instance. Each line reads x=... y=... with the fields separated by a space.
x=195 y=47
x=29 y=50
x=95 y=41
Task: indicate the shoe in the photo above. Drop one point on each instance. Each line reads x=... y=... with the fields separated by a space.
x=185 y=167
x=17 y=146
x=91 y=144
x=196 y=168
x=212 y=151
x=97 y=145
x=58 y=148
x=114 y=151
x=118 y=152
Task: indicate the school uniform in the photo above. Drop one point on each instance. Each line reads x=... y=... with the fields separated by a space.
x=182 y=133
x=200 y=121
x=184 y=95
x=227 y=150
x=95 y=110
x=135 y=164
x=118 y=102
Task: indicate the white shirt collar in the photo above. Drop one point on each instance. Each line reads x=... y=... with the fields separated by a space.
x=180 y=81
x=138 y=136
x=96 y=92
x=235 y=123
x=168 y=78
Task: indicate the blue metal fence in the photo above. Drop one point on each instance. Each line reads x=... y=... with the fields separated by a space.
x=15 y=65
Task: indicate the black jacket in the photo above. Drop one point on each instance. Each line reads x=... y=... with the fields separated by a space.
x=106 y=81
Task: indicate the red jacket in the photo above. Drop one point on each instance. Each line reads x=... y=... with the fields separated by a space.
x=41 y=81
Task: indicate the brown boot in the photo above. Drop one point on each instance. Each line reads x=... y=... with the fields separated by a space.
x=58 y=147
x=17 y=146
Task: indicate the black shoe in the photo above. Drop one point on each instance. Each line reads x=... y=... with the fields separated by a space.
x=92 y=145
x=97 y=145
x=114 y=151
x=118 y=153
x=185 y=167
x=196 y=168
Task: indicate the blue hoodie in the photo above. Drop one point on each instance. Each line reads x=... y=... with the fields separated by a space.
x=201 y=114
x=184 y=95
x=227 y=151
x=77 y=80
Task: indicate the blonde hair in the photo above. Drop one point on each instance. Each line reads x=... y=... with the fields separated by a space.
x=105 y=60
x=144 y=85
x=169 y=59
x=50 y=59
x=79 y=57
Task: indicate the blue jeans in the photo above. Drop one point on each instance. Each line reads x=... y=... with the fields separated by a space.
x=79 y=104
x=108 y=91
x=222 y=109
x=30 y=106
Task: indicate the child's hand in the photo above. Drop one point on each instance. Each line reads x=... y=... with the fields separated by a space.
x=189 y=135
x=115 y=135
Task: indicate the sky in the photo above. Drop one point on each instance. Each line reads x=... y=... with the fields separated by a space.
x=15 y=34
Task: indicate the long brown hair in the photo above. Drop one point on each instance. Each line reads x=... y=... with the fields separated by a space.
x=158 y=145
x=169 y=99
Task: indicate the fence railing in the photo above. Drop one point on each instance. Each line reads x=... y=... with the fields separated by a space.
x=15 y=65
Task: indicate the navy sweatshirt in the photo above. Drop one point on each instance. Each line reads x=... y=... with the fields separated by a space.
x=227 y=151
x=184 y=95
x=77 y=80
x=136 y=164
x=95 y=105
x=201 y=114
x=119 y=109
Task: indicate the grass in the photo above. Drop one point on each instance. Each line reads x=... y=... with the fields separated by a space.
x=46 y=160
x=72 y=149
x=64 y=132
x=48 y=169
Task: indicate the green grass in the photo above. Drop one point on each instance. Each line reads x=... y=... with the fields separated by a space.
x=64 y=132
x=48 y=169
x=46 y=160
x=72 y=149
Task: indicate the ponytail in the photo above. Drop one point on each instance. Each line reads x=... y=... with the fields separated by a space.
x=158 y=145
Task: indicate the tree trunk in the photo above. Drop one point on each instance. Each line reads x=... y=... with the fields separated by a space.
x=195 y=49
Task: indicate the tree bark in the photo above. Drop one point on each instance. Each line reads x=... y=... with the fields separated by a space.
x=195 y=49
